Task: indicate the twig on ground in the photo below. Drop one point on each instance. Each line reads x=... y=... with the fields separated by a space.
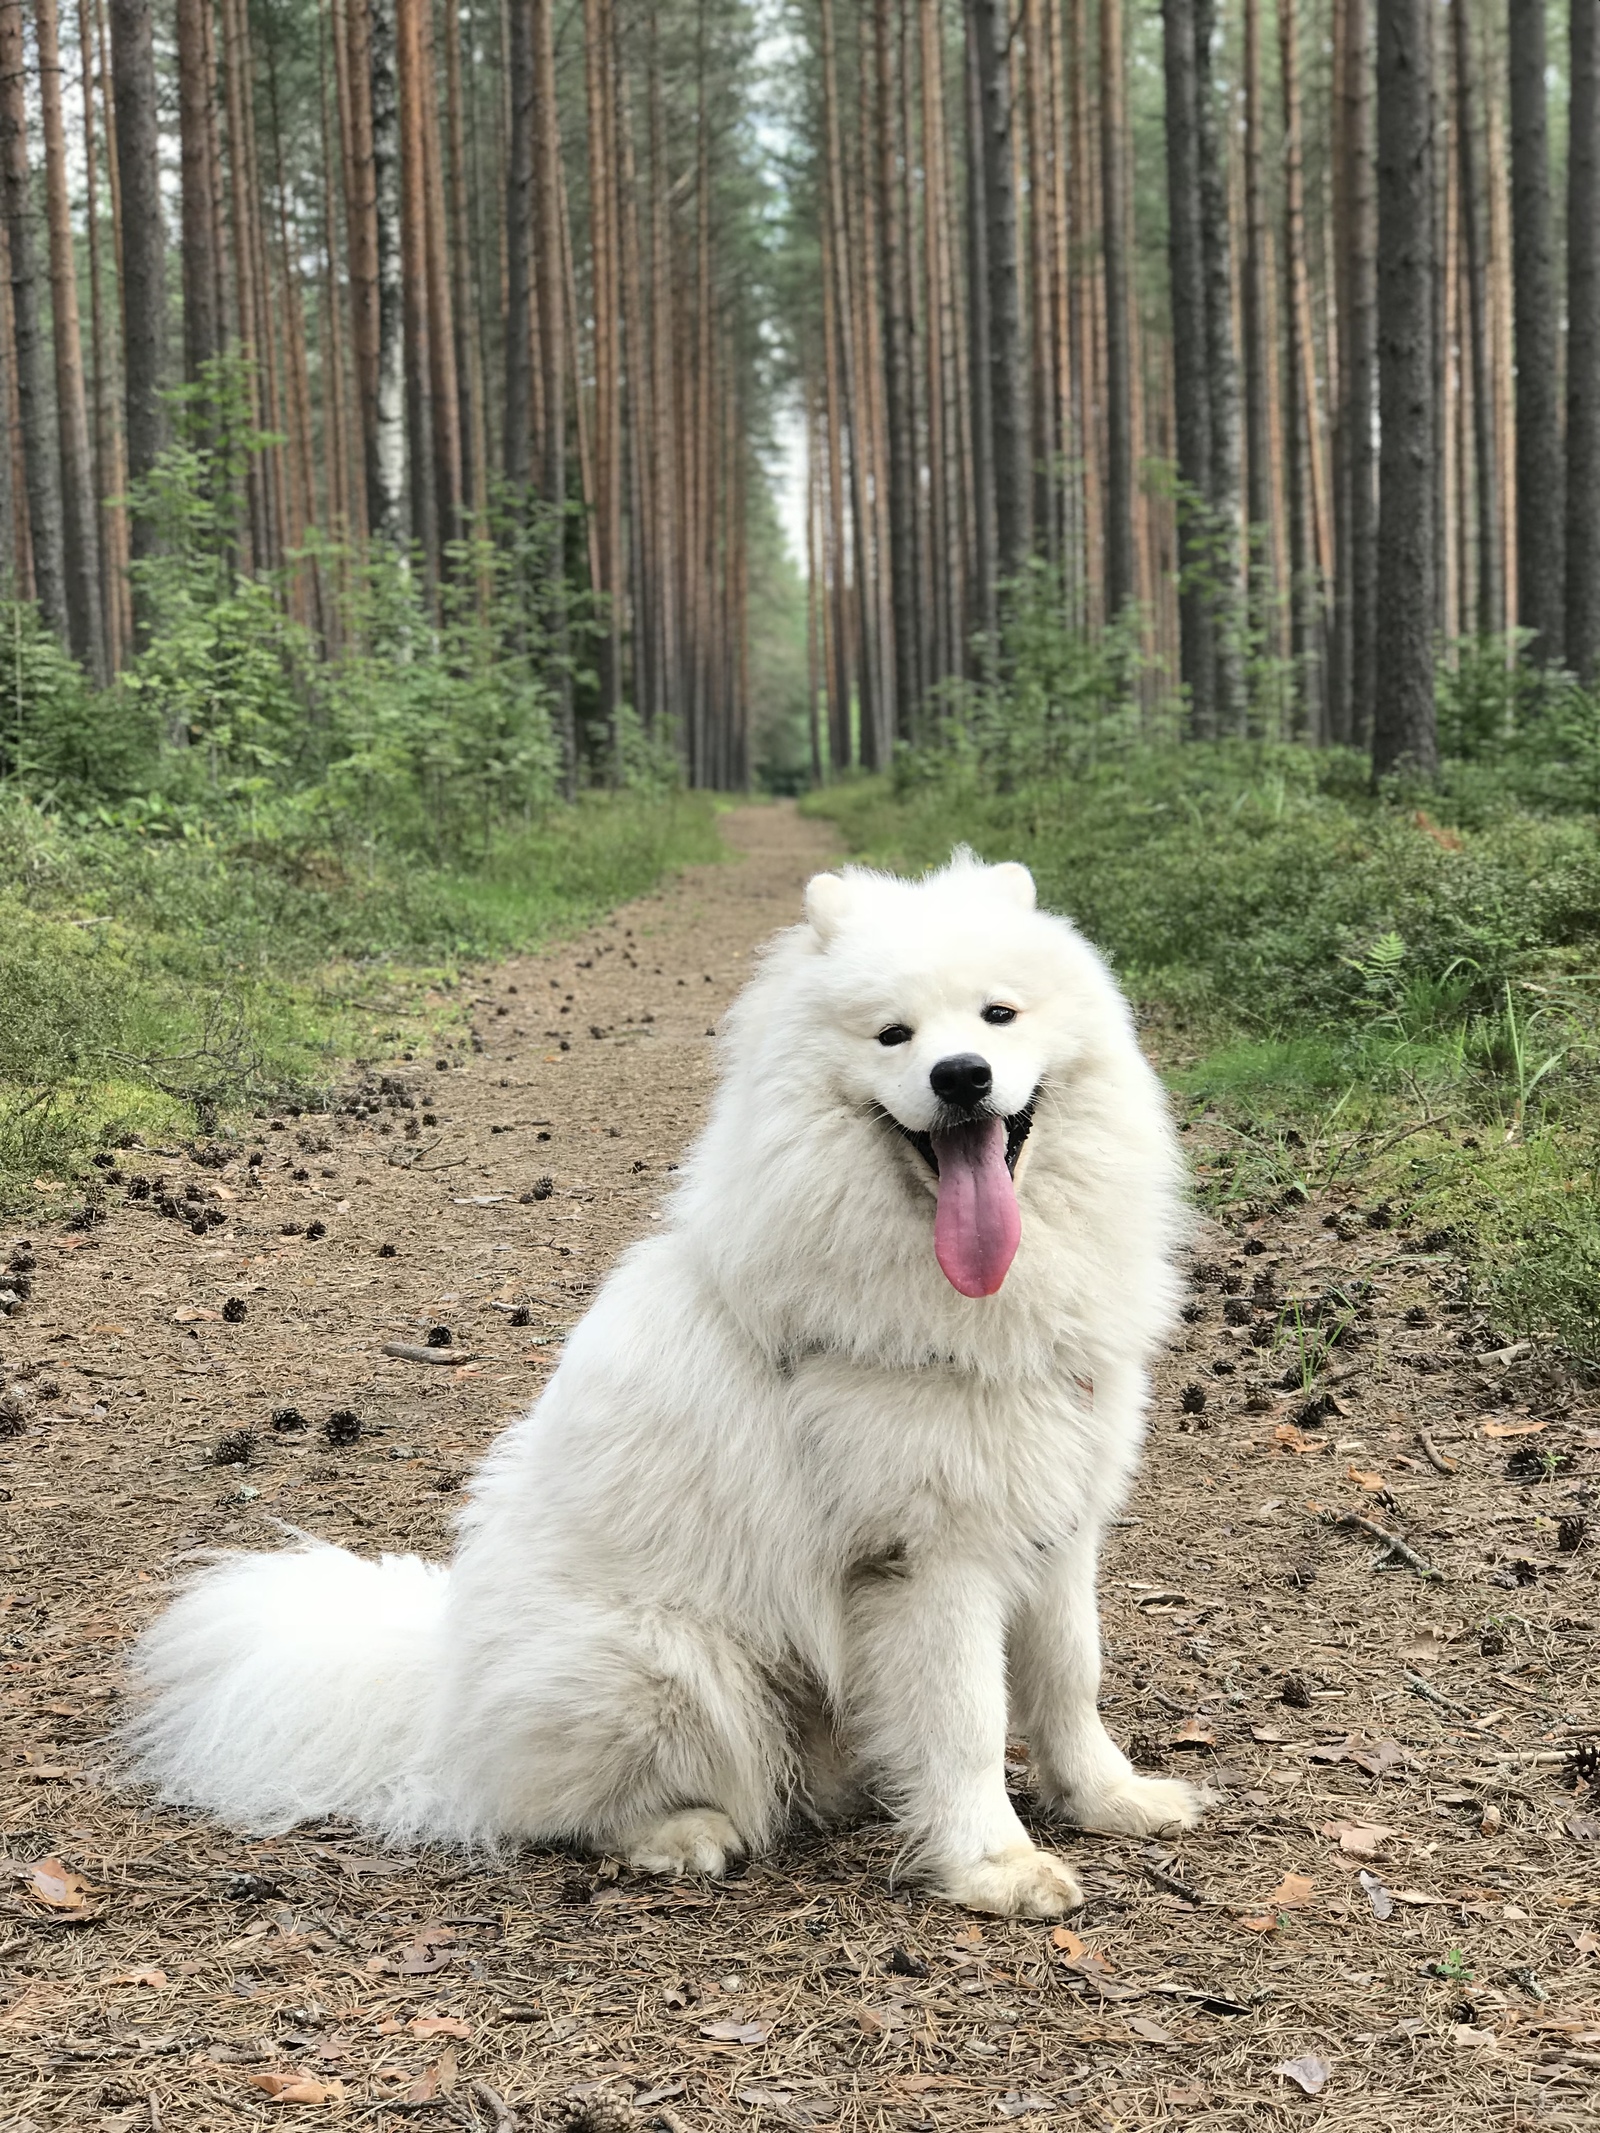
x=1426 y=1690
x=505 y=2119
x=1395 y=1549
x=1435 y=1458
x=410 y=1352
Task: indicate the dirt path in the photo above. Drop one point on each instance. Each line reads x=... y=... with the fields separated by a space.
x=1390 y=1886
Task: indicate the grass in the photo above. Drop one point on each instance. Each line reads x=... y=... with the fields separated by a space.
x=1388 y=1000
x=155 y=983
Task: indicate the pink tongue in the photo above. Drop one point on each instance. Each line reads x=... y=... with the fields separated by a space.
x=977 y=1228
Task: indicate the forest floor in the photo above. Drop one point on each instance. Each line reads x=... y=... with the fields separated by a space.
x=1391 y=1917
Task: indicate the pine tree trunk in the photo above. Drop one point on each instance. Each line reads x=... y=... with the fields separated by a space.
x=1583 y=346
x=1190 y=364
x=598 y=72
x=388 y=507
x=550 y=299
x=1490 y=618
x=202 y=309
x=1299 y=412
x=33 y=382
x=80 y=544
x=1008 y=402
x=444 y=399
x=983 y=618
x=144 y=295
x=1222 y=373
x=1404 y=732
x=470 y=424
x=107 y=456
x=1121 y=565
x=518 y=459
x=1255 y=322
x=415 y=308
x=899 y=409
x=1539 y=469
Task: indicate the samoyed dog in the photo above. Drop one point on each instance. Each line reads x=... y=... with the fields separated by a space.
x=809 y=1514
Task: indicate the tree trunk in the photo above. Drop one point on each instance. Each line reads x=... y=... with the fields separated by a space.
x=1222 y=485
x=1254 y=305
x=470 y=422
x=1404 y=732
x=388 y=505
x=1299 y=411
x=550 y=300
x=983 y=619
x=1490 y=619
x=1583 y=346
x=1539 y=470
x=1358 y=371
x=1008 y=402
x=599 y=69
x=518 y=455
x=80 y=545
x=107 y=441
x=33 y=385
x=1190 y=365
x=1121 y=566
x=144 y=295
x=202 y=304
x=899 y=409
x=415 y=310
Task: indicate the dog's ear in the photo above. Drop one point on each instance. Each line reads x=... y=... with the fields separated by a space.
x=1015 y=883
x=828 y=901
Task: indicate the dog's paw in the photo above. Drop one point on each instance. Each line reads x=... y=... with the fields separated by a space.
x=1135 y=1806
x=1019 y=1882
x=700 y=1841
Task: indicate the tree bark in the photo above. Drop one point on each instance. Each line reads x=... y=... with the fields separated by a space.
x=1299 y=410
x=1222 y=372
x=550 y=298
x=33 y=384
x=1404 y=732
x=107 y=440
x=1191 y=370
x=899 y=408
x=1539 y=468
x=1254 y=305
x=1490 y=618
x=391 y=444
x=80 y=545
x=1121 y=564
x=1008 y=421
x=1583 y=346
x=202 y=305
x=144 y=295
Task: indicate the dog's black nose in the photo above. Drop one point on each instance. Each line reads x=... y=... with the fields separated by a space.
x=964 y=1078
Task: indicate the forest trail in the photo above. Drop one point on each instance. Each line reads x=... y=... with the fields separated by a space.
x=1387 y=1866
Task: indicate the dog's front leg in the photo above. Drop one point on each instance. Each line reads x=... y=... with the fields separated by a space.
x=1055 y=1669
x=927 y=1694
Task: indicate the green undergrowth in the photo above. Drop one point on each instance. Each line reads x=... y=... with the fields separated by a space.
x=1395 y=999
x=157 y=976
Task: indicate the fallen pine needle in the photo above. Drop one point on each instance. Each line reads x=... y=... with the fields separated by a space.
x=505 y=2119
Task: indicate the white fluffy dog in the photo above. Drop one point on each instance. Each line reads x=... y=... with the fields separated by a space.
x=811 y=1509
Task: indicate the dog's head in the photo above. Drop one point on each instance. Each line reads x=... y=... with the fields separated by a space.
x=951 y=1006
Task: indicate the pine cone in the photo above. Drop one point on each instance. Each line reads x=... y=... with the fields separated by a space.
x=601 y=2114
x=1584 y=1763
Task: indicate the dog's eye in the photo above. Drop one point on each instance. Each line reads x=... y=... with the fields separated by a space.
x=896 y=1033
x=999 y=1015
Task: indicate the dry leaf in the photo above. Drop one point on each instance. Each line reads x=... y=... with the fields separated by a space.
x=1374 y=1483
x=1292 y=1439
x=1359 y=1840
x=1377 y=1896
x=1152 y=2032
x=188 y=1314
x=1268 y=1733
x=1308 y=2071
x=439 y=2026
x=1266 y=1923
x=1068 y=1942
x=1586 y=1828
x=747 y=2032
x=1416 y=1897
x=1293 y=1892
x=298 y=2088
x=1196 y=1732
x=57 y=1886
x=121 y=1331
x=1587 y=1942
x=1513 y=1429
x=155 y=1979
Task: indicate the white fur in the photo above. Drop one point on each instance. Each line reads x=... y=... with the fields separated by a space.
x=794 y=1518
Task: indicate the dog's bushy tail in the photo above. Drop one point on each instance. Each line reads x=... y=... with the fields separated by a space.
x=282 y=1687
